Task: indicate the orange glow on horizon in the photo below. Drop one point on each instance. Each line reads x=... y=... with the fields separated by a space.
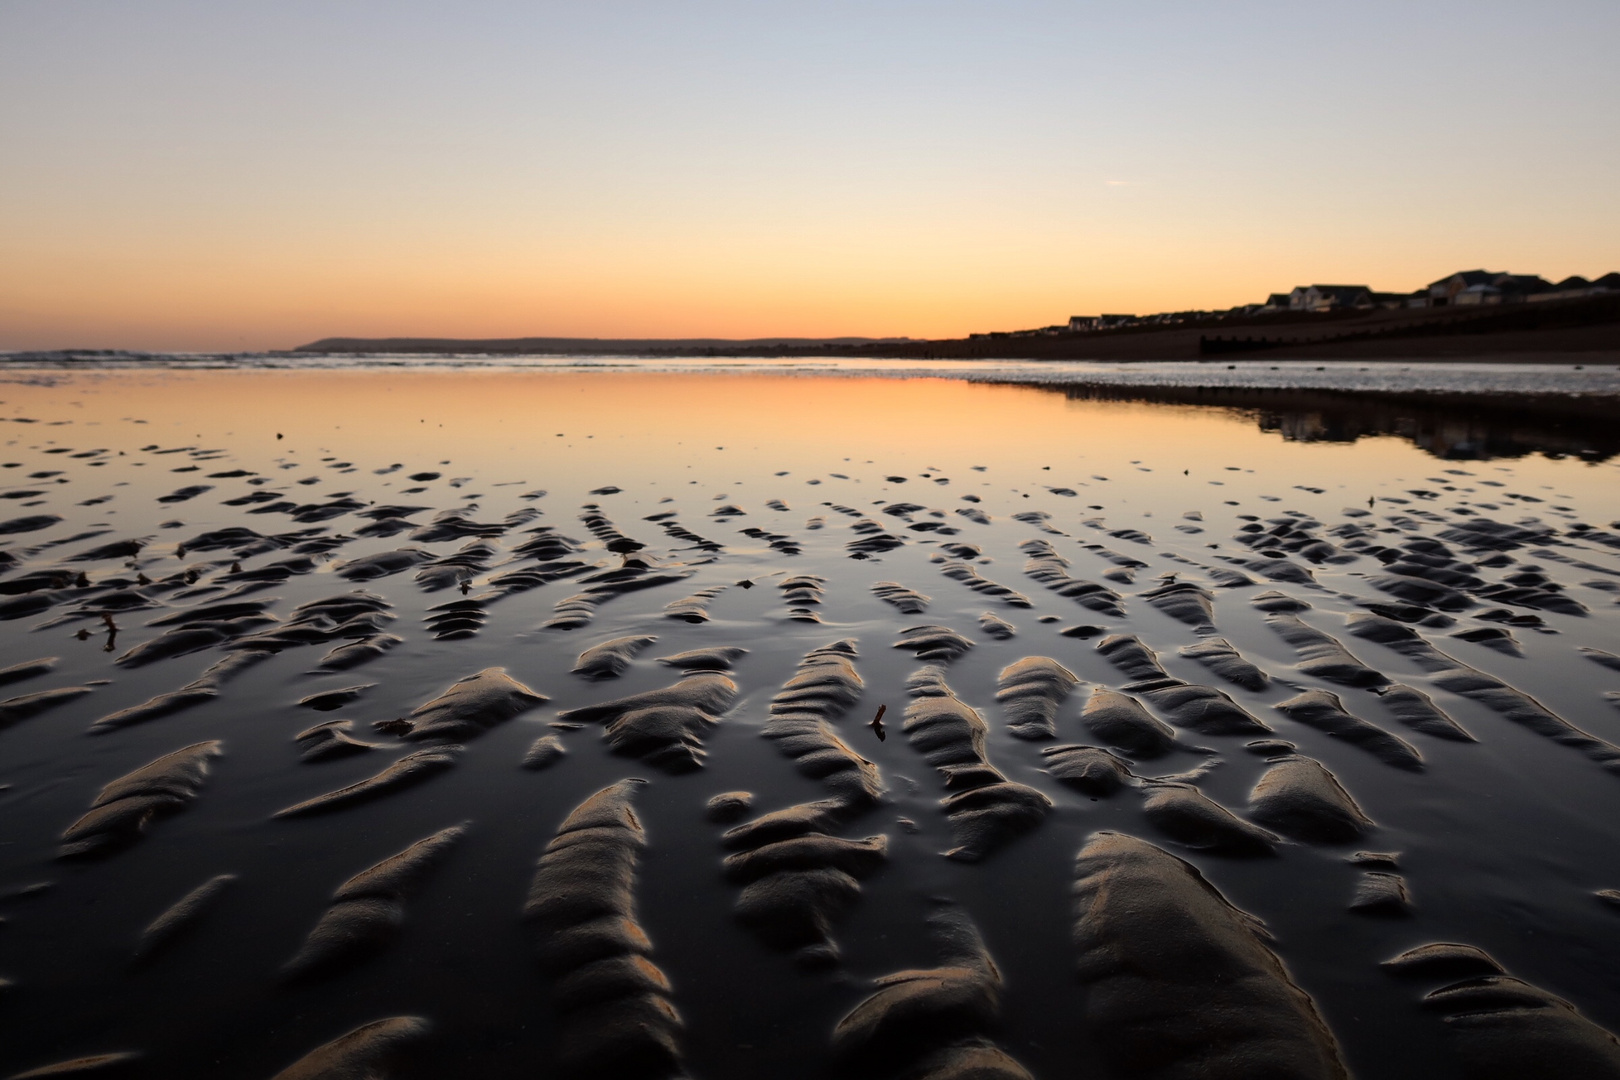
x=259 y=294
x=245 y=177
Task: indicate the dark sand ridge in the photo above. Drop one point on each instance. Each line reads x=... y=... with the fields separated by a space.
x=798 y=877
x=906 y=601
x=1299 y=797
x=663 y=727
x=1505 y=1027
x=833 y=857
x=617 y=1018
x=932 y=1023
x=609 y=659
x=182 y=917
x=996 y=627
x=407 y=771
x=376 y=1049
x=694 y=608
x=985 y=809
x=1202 y=708
x=1460 y=678
x=1030 y=692
x=803 y=593
x=1154 y=938
x=1219 y=656
x=121 y=812
x=325 y=742
x=823 y=689
x=368 y=910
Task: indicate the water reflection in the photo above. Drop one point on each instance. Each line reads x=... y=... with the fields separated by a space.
x=1456 y=427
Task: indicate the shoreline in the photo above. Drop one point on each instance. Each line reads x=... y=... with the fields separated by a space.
x=1484 y=379
x=90 y=358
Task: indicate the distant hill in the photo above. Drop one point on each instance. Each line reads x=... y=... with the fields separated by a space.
x=582 y=346
x=1586 y=328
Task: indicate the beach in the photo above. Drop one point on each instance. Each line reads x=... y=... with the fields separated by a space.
x=506 y=717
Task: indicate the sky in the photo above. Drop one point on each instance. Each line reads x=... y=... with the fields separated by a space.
x=199 y=175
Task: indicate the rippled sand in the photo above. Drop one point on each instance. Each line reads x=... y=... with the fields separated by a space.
x=514 y=723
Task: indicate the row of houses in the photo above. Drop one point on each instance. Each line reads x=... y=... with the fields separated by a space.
x=1464 y=288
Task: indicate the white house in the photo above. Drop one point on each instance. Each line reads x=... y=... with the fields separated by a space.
x=1329 y=297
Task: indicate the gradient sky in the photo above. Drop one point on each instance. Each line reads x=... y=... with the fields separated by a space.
x=257 y=175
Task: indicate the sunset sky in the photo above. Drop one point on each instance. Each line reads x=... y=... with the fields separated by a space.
x=252 y=175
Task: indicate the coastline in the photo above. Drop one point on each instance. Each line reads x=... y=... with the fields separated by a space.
x=1483 y=377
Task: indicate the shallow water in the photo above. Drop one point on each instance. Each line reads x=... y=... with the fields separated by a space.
x=1380 y=376
x=1503 y=843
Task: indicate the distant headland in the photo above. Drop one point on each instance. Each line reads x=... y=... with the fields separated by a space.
x=558 y=346
x=1471 y=314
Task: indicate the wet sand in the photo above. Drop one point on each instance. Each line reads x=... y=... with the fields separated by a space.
x=514 y=723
